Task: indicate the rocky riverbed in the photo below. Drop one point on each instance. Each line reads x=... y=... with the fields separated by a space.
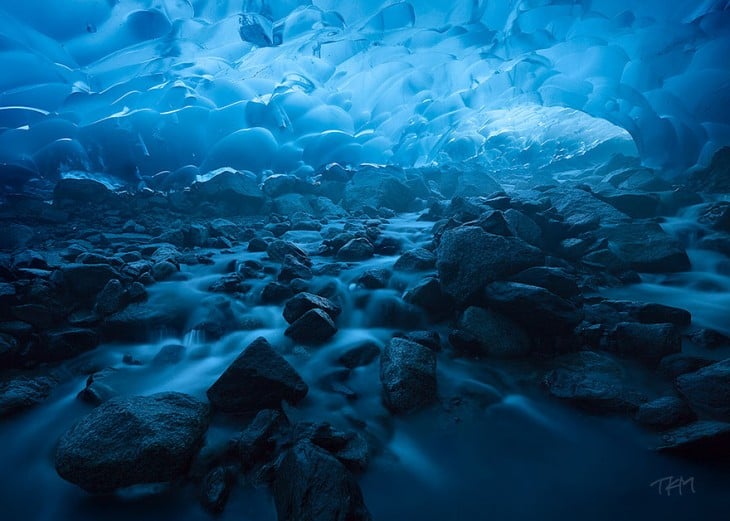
x=369 y=343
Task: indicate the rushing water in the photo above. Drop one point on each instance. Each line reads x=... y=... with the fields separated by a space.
x=517 y=458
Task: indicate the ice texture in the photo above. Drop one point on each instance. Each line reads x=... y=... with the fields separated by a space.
x=130 y=88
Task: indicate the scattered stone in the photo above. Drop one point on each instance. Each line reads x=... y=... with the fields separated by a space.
x=22 y=393
x=350 y=448
x=360 y=355
x=313 y=327
x=555 y=280
x=429 y=339
x=496 y=335
x=428 y=295
x=646 y=341
x=133 y=440
x=259 y=378
x=111 y=299
x=646 y=247
x=256 y=444
x=408 y=375
x=293 y=269
x=375 y=278
x=419 y=259
x=708 y=390
x=357 y=249
x=85 y=281
x=298 y=305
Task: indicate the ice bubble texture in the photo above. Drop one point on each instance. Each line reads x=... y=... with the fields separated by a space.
x=130 y=88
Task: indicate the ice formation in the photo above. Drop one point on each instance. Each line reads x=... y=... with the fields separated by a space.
x=130 y=88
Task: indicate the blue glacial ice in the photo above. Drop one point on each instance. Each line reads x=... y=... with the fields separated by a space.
x=130 y=88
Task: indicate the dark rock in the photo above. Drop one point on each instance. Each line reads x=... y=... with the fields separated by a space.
x=581 y=210
x=664 y=413
x=169 y=355
x=717 y=216
x=256 y=444
x=293 y=269
x=419 y=259
x=22 y=393
x=523 y=227
x=647 y=341
x=680 y=363
x=534 y=308
x=257 y=244
x=215 y=488
x=350 y=448
x=495 y=334
x=469 y=258
x=360 y=355
x=709 y=338
x=708 y=390
x=592 y=381
x=357 y=249
x=408 y=375
x=429 y=339
x=66 y=343
x=716 y=177
x=298 y=305
x=259 y=378
x=275 y=292
x=37 y=315
x=427 y=294
x=702 y=440
x=555 y=280
x=87 y=280
x=313 y=327
x=163 y=270
x=378 y=187
x=312 y=485
x=111 y=299
x=634 y=204
x=375 y=278
x=278 y=250
x=231 y=191
x=70 y=192
x=133 y=440
x=661 y=314
x=646 y=247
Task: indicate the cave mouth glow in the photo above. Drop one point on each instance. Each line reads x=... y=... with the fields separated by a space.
x=135 y=87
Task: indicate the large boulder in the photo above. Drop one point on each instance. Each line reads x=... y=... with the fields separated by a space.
x=582 y=210
x=646 y=341
x=408 y=375
x=377 y=188
x=69 y=192
x=708 y=390
x=298 y=305
x=312 y=485
x=259 y=378
x=468 y=258
x=495 y=334
x=646 y=247
x=313 y=327
x=232 y=191
x=133 y=440
x=23 y=393
x=85 y=281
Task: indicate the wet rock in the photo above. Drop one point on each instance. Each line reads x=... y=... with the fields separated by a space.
x=256 y=444
x=313 y=327
x=350 y=448
x=419 y=259
x=634 y=204
x=111 y=299
x=22 y=393
x=257 y=244
x=231 y=191
x=375 y=278
x=646 y=341
x=468 y=258
x=680 y=363
x=660 y=314
x=38 y=315
x=555 y=280
x=259 y=378
x=169 y=354
x=495 y=334
x=592 y=381
x=133 y=440
x=215 y=489
x=702 y=440
x=357 y=249
x=66 y=343
x=408 y=375
x=646 y=247
x=429 y=339
x=292 y=269
x=581 y=210
x=360 y=355
x=716 y=177
x=278 y=250
x=87 y=280
x=163 y=270
x=534 y=308
x=708 y=390
x=664 y=413
x=378 y=187
x=71 y=192
x=275 y=292
x=311 y=484
x=97 y=391
x=298 y=305
x=428 y=295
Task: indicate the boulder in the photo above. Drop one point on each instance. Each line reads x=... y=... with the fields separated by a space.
x=231 y=191
x=646 y=247
x=357 y=249
x=85 y=281
x=259 y=378
x=646 y=341
x=664 y=413
x=419 y=259
x=468 y=259
x=22 y=393
x=702 y=440
x=312 y=485
x=408 y=375
x=495 y=334
x=298 y=305
x=133 y=440
x=708 y=390
x=313 y=327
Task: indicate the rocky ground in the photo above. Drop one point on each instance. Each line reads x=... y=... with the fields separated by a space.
x=439 y=265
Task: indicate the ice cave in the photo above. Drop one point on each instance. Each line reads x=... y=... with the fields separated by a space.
x=313 y=260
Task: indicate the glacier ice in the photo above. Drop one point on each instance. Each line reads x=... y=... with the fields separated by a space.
x=133 y=88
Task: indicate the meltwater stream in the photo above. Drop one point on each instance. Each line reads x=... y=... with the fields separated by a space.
x=505 y=458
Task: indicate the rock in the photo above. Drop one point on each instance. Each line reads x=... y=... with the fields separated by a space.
x=257 y=244
x=582 y=210
x=71 y=192
x=313 y=327
x=350 y=448
x=85 y=281
x=378 y=187
x=215 y=488
x=496 y=335
x=357 y=249
x=111 y=299
x=22 y=393
x=256 y=444
x=133 y=440
x=468 y=259
x=419 y=259
x=703 y=440
x=408 y=375
x=708 y=390
x=259 y=378
x=360 y=355
x=680 y=363
x=169 y=355
x=163 y=270
x=428 y=295
x=312 y=485
x=374 y=278
x=717 y=216
x=592 y=381
x=634 y=204
x=231 y=192
x=66 y=343
x=275 y=292
x=534 y=308
x=664 y=413
x=429 y=339
x=716 y=177
x=293 y=269
x=555 y=280
x=660 y=314
x=523 y=227
x=646 y=341
x=646 y=247
x=278 y=250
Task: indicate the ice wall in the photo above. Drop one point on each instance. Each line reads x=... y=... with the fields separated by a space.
x=134 y=87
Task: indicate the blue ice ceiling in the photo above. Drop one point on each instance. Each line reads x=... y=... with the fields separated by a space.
x=133 y=87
